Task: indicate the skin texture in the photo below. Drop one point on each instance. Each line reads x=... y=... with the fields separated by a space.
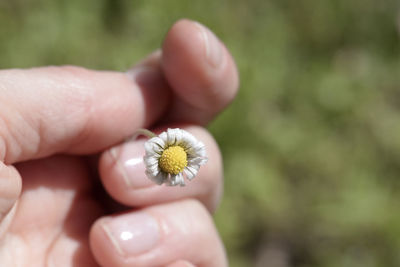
x=53 y=208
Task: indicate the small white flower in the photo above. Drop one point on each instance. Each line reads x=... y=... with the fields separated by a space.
x=171 y=155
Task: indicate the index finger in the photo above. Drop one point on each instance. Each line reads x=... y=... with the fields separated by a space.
x=49 y=110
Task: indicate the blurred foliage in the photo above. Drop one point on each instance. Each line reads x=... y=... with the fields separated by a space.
x=311 y=145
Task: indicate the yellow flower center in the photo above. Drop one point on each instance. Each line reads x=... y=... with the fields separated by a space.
x=173 y=160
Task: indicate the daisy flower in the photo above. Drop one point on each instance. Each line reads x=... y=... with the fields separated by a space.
x=173 y=154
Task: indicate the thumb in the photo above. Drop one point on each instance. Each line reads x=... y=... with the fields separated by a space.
x=74 y=110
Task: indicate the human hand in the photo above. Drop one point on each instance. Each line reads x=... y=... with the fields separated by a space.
x=49 y=203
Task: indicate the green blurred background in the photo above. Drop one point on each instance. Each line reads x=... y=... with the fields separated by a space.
x=311 y=145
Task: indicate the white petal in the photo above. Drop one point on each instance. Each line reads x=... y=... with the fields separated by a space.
x=158 y=179
x=171 y=140
x=164 y=137
x=189 y=140
x=176 y=180
x=148 y=147
x=180 y=179
x=151 y=173
x=152 y=148
x=198 y=150
x=152 y=155
x=190 y=172
x=170 y=181
x=197 y=161
x=179 y=136
x=202 y=153
x=194 y=166
x=173 y=180
x=149 y=161
x=155 y=169
x=157 y=140
x=200 y=147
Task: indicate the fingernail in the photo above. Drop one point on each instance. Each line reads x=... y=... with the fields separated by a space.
x=132 y=234
x=129 y=162
x=213 y=47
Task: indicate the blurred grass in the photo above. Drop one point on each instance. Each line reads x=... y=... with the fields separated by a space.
x=311 y=145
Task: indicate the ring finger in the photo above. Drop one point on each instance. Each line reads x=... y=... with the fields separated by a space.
x=158 y=236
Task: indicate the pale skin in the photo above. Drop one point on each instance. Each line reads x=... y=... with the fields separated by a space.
x=52 y=118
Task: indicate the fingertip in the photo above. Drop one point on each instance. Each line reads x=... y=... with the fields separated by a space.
x=122 y=173
x=99 y=243
x=158 y=236
x=199 y=67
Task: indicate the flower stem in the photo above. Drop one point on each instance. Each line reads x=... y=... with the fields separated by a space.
x=141 y=131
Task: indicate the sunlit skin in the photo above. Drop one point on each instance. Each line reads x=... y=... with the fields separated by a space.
x=52 y=207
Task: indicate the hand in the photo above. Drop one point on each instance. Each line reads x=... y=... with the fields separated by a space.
x=49 y=203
